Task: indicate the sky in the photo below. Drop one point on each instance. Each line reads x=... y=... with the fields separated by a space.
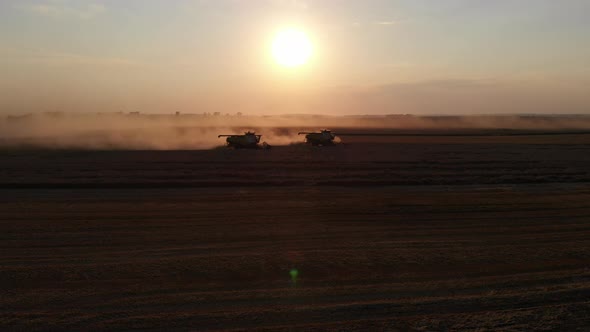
x=369 y=56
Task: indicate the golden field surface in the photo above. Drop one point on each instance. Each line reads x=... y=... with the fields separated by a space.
x=461 y=233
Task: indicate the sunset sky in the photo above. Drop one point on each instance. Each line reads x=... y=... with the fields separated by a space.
x=368 y=57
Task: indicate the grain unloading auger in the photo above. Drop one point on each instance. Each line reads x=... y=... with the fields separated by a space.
x=247 y=141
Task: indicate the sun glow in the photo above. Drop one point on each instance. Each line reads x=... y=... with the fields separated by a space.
x=291 y=48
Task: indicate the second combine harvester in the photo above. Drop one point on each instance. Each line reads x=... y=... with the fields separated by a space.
x=324 y=137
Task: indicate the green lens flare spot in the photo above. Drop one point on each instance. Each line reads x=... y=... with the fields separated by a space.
x=294 y=273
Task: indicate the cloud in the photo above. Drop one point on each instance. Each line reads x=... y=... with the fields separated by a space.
x=64 y=9
x=292 y=4
x=52 y=58
x=390 y=22
x=450 y=84
x=383 y=23
x=284 y=4
x=471 y=96
x=77 y=59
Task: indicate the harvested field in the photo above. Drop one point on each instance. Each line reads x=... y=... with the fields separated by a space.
x=395 y=233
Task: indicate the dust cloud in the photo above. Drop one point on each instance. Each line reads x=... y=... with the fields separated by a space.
x=136 y=131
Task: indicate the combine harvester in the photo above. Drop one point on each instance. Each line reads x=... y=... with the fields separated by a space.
x=247 y=141
x=327 y=137
x=324 y=137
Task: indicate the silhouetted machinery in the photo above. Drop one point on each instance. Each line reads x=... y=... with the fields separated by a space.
x=324 y=137
x=247 y=141
x=327 y=137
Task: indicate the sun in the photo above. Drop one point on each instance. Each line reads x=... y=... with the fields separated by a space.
x=291 y=48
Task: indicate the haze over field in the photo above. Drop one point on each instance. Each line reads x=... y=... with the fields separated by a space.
x=170 y=132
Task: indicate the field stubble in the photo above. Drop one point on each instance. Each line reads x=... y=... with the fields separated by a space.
x=448 y=234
